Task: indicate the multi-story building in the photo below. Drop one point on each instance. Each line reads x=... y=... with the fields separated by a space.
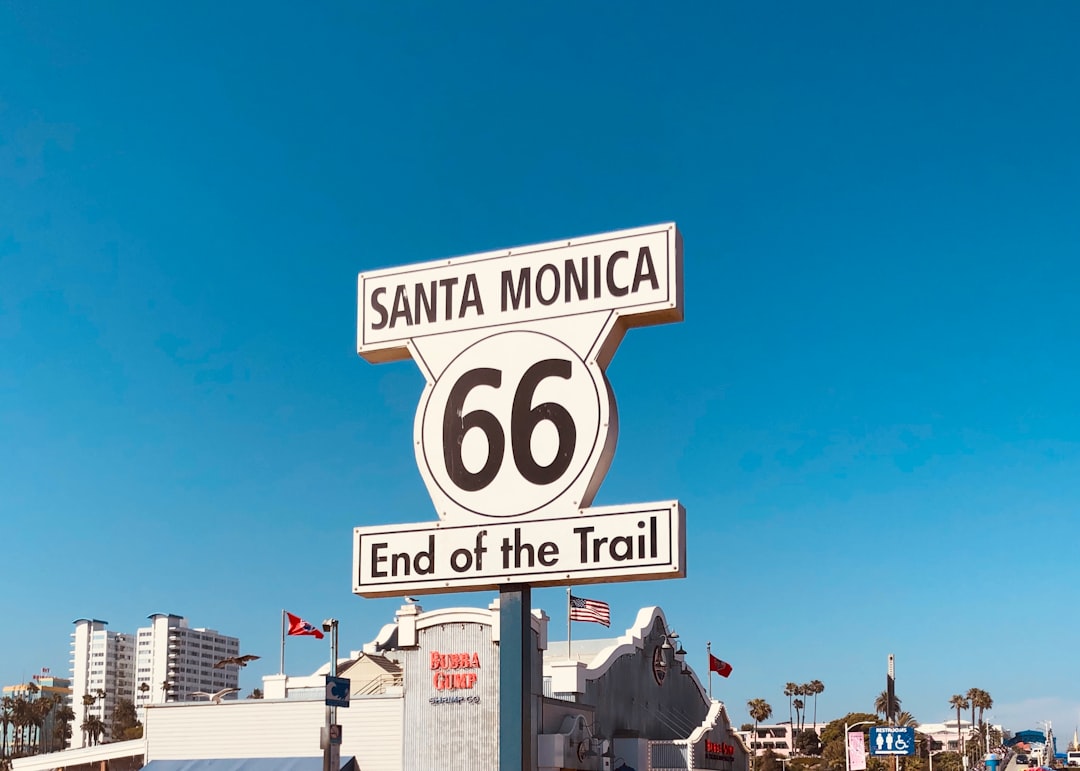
x=42 y=686
x=166 y=661
x=779 y=737
x=101 y=673
x=174 y=661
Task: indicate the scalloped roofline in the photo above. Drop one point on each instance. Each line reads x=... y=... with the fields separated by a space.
x=634 y=640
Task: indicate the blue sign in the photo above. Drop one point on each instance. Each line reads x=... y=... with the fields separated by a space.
x=337 y=691
x=892 y=741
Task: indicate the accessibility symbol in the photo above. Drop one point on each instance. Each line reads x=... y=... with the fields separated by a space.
x=892 y=741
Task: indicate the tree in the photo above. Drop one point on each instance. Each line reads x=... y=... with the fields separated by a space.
x=983 y=701
x=958 y=702
x=808 y=743
x=759 y=710
x=256 y=693
x=790 y=690
x=125 y=721
x=88 y=701
x=94 y=728
x=816 y=687
x=905 y=718
x=768 y=761
x=798 y=704
x=7 y=709
x=972 y=697
x=62 y=726
x=882 y=706
x=832 y=738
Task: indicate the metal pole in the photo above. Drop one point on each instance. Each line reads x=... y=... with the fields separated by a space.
x=568 y=595
x=847 y=751
x=515 y=678
x=708 y=649
x=331 y=752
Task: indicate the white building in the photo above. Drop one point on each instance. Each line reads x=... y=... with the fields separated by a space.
x=778 y=737
x=173 y=661
x=101 y=668
x=167 y=661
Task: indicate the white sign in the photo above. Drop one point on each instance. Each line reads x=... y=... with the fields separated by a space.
x=634 y=272
x=601 y=544
x=517 y=423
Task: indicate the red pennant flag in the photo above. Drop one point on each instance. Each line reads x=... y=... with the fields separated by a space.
x=721 y=668
x=298 y=626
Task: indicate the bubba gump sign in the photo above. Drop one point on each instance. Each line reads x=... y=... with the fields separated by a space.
x=454 y=671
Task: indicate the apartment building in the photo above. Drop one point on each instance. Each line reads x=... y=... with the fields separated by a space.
x=101 y=673
x=174 y=661
x=166 y=661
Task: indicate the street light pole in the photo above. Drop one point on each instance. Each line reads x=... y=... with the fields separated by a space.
x=847 y=746
x=331 y=751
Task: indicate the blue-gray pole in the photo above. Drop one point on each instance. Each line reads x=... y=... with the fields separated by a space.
x=515 y=678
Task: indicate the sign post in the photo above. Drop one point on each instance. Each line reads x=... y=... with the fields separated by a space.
x=516 y=429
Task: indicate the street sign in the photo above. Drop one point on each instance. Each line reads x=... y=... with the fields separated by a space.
x=337 y=691
x=517 y=425
x=892 y=741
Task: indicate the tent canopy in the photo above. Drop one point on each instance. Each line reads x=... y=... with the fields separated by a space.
x=1028 y=737
x=246 y=764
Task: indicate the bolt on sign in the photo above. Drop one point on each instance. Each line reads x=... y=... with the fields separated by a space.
x=517 y=424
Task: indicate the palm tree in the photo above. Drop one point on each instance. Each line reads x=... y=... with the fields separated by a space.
x=798 y=704
x=94 y=728
x=984 y=702
x=816 y=687
x=20 y=717
x=759 y=710
x=88 y=702
x=882 y=706
x=62 y=726
x=958 y=702
x=7 y=708
x=905 y=718
x=789 y=691
x=972 y=697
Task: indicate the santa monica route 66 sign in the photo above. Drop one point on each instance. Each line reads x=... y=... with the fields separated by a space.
x=517 y=425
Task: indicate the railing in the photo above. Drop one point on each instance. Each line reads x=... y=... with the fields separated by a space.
x=377 y=685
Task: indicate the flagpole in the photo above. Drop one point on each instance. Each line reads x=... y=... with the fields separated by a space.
x=282 y=670
x=708 y=648
x=568 y=622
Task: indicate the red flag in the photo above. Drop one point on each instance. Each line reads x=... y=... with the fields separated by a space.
x=298 y=626
x=721 y=668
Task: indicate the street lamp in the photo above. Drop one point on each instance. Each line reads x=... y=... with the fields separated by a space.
x=847 y=746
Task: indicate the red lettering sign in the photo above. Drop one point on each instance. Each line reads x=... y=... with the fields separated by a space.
x=455 y=660
x=722 y=749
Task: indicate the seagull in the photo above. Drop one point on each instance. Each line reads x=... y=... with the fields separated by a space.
x=240 y=661
x=216 y=697
x=411 y=600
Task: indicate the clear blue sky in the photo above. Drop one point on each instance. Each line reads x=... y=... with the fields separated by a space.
x=870 y=412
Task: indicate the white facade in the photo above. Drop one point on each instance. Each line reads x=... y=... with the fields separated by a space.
x=101 y=667
x=778 y=737
x=169 y=651
x=110 y=666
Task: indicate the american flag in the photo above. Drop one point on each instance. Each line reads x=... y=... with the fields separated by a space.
x=589 y=610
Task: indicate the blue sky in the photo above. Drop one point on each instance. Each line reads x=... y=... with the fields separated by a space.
x=870 y=411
